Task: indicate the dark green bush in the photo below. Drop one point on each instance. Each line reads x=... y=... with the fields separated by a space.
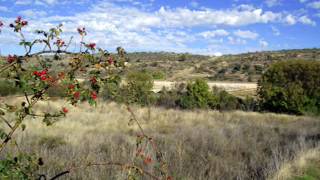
x=168 y=98
x=224 y=100
x=197 y=95
x=291 y=87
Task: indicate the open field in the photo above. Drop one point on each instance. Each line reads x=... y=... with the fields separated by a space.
x=200 y=144
x=235 y=88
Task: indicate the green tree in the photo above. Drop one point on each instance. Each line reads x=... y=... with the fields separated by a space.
x=198 y=95
x=291 y=87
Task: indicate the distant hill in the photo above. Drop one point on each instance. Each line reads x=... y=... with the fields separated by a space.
x=246 y=67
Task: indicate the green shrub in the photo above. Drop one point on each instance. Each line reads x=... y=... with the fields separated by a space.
x=8 y=88
x=291 y=87
x=224 y=100
x=158 y=75
x=197 y=95
x=138 y=89
x=169 y=99
x=112 y=89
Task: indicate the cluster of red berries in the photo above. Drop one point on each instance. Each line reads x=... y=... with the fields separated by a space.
x=41 y=74
x=11 y=59
x=19 y=23
x=82 y=31
x=59 y=43
x=91 y=46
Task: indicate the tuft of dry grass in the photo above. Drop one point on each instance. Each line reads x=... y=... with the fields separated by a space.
x=300 y=165
x=198 y=144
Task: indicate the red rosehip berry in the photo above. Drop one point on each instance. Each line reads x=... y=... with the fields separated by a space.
x=24 y=23
x=147 y=160
x=71 y=86
x=59 y=43
x=110 y=60
x=36 y=73
x=43 y=72
x=76 y=95
x=82 y=31
x=11 y=59
x=91 y=46
x=94 y=95
x=43 y=78
x=93 y=80
x=65 y=110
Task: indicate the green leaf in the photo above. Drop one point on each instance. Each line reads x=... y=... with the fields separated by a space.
x=23 y=127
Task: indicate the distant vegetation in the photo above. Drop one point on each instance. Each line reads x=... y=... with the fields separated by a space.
x=247 y=67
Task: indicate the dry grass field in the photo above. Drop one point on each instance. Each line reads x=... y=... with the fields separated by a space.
x=196 y=144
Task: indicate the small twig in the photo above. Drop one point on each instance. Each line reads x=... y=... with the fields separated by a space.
x=6 y=67
x=136 y=120
x=27 y=98
x=51 y=51
x=6 y=122
x=70 y=41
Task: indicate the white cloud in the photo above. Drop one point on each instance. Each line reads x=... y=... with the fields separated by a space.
x=168 y=29
x=275 y=31
x=214 y=33
x=236 y=41
x=246 y=34
x=290 y=19
x=3 y=9
x=183 y=17
x=33 y=13
x=315 y=5
x=271 y=3
x=306 y=20
x=263 y=44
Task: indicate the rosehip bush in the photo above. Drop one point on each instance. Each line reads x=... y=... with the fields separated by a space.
x=35 y=76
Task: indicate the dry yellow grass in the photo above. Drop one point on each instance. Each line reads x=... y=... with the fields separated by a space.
x=200 y=144
x=296 y=167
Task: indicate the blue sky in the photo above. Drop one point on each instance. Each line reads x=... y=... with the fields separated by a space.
x=211 y=27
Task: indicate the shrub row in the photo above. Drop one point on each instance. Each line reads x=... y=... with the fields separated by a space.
x=193 y=95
